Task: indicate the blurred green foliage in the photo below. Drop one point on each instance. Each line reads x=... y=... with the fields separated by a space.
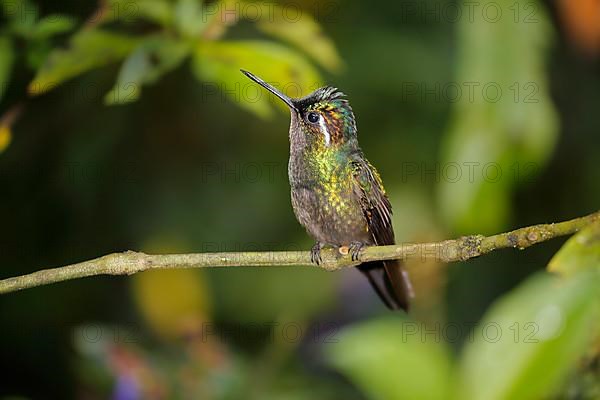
x=580 y=253
x=521 y=349
x=539 y=333
x=186 y=27
x=394 y=359
x=184 y=165
x=507 y=122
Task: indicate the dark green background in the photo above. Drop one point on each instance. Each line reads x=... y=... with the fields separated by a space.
x=81 y=179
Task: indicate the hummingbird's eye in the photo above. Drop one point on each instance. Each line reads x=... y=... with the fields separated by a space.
x=313 y=117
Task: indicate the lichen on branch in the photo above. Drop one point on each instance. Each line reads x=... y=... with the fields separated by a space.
x=460 y=249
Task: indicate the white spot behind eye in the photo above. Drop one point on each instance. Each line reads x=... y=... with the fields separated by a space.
x=323 y=127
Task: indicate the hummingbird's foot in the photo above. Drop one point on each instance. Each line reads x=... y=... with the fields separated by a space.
x=355 y=248
x=315 y=253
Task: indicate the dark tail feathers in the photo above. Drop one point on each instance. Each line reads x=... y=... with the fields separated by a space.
x=391 y=283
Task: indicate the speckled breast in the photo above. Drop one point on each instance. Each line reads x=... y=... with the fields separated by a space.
x=327 y=207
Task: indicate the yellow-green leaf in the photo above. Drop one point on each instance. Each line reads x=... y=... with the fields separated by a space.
x=88 y=49
x=581 y=252
x=173 y=302
x=292 y=25
x=546 y=325
x=188 y=17
x=303 y=32
x=217 y=65
x=159 y=11
x=52 y=25
x=393 y=359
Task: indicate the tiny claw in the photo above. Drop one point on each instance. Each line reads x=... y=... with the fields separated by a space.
x=355 y=249
x=315 y=253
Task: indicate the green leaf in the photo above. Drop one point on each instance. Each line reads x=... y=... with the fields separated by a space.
x=302 y=32
x=503 y=125
x=52 y=25
x=188 y=17
x=298 y=28
x=145 y=65
x=581 y=252
x=7 y=58
x=88 y=49
x=217 y=65
x=158 y=11
x=392 y=359
x=38 y=44
x=531 y=339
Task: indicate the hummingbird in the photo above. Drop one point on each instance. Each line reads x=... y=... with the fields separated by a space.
x=337 y=195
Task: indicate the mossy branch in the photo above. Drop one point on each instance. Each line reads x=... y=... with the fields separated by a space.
x=461 y=249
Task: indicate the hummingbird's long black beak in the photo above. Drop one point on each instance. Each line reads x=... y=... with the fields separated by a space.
x=287 y=100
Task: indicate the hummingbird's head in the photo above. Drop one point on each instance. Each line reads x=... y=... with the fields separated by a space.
x=324 y=117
